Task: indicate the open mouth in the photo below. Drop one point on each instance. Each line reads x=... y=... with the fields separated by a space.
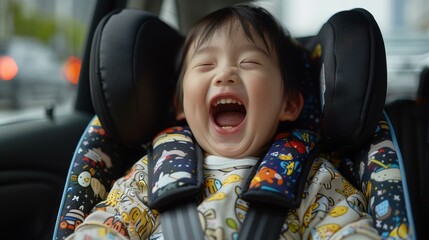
x=228 y=112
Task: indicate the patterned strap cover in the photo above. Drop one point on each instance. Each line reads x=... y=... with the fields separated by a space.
x=175 y=169
x=280 y=176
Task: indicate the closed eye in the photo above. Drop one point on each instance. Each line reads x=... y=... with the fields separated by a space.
x=250 y=64
x=204 y=66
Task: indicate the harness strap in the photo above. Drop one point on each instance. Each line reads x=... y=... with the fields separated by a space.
x=182 y=222
x=263 y=222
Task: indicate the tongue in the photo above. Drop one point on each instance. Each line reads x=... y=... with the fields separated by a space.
x=229 y=119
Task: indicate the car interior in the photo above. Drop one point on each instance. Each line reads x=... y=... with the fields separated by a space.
x=124 y=97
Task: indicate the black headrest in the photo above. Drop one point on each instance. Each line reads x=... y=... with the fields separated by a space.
x=132 y=74
x=353 y=78
x=423 y=89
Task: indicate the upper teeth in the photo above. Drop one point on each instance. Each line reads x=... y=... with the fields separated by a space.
x=226 y=101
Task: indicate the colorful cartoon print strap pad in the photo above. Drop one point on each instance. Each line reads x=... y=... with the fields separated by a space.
x=175 y=169
x=281 y=175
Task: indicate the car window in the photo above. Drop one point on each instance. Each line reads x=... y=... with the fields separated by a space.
x=404 y=26
x=41 y=45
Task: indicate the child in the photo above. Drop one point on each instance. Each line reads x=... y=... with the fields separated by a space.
x=239 y=81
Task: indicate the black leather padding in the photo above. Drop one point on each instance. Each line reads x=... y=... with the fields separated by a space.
x=353 y=78
x=132 y=74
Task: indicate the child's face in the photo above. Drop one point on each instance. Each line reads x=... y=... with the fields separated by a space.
x=233 y=95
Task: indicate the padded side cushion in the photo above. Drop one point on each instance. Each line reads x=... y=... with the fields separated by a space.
x=353 y=79
x=132 y=74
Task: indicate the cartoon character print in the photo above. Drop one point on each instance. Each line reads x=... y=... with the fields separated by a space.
x=211 y=233
x=390 y=174
x=212 y=185
x=165 y=179
x=287 y=163
x=240 y=209
x=399 y=232
x=85 y=179
x=174 y=161
x=138 y=176
x=241 y=206
x=347 y=188
x=338 y=211
x=322 y=172
x=171 y=135
x=358 y=203
x=72 y=219
x=95 y=156
x=298 y=145
x=328 y=172
x=217 y=196
x=232 y=179
x=383 y=162
x=98 y=188
x=116 y=224
x=266 y=174
x=115 y=196
x=291 y=228
x=168 y=156
x=135 y=222
x=91 y=163
x=325 y=231
x=383 y=210
x=319 y=207
x=224 y=187
x=280 y=169
x=380 y=171
x=139 y=223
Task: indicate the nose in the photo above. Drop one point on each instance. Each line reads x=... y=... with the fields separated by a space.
x=227 y=76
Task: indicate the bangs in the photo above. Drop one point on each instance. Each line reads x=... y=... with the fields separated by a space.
x=229 y=22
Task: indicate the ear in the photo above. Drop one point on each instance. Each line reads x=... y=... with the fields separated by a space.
x=180 y=116
x=178 y=107
x=292 y=107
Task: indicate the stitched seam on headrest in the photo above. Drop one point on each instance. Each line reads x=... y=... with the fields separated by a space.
x=363 y=121
x=108 y=123
x=369 y=103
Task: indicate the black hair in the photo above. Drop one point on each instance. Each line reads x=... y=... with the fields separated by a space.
x=256 y=22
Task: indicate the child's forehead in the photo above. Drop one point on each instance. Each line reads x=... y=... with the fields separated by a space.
x=229 y=32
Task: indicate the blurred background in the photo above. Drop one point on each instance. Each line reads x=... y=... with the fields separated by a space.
x=41 y=43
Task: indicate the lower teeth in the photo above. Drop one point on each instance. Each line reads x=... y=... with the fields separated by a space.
x=227 y=127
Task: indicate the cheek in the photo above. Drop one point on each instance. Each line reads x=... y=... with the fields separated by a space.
x=267 y=92
x=193 y=97
x=191 y=93
x=268 y=101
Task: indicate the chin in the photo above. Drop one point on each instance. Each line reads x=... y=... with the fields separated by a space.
x=231 y=153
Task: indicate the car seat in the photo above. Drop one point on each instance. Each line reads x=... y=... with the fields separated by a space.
x=410 y=119
x=133 y=69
